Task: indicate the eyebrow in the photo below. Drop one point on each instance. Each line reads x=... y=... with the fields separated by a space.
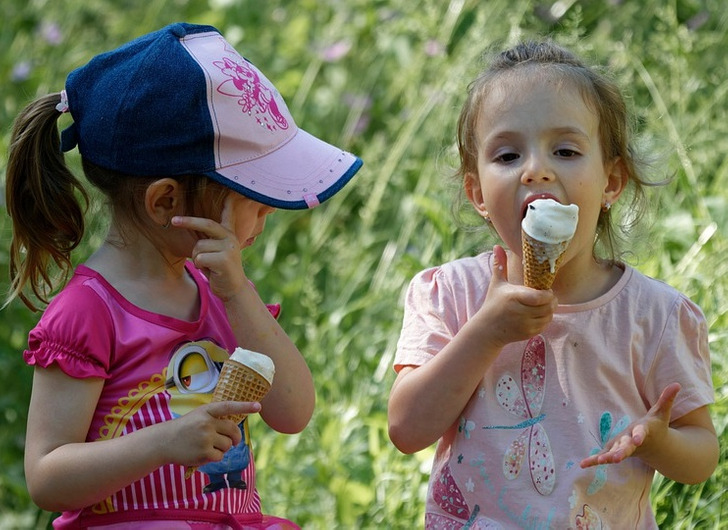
x=569 y=130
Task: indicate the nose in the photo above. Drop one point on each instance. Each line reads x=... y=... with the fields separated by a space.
x=265 y=211
x=536 y=171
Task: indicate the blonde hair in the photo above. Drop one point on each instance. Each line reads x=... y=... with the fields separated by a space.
x=599 y=92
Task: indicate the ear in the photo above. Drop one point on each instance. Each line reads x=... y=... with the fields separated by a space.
x=162 y=200
x=617 y=179
x=474 y=193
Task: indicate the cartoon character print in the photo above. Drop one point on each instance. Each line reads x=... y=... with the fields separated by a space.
x=192 y=374
x=253 y=96
x=606 y=432
x=449 y=497
x=525 y=403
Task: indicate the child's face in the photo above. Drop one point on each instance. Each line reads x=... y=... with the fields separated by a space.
x=244 y=217
x=539 y=139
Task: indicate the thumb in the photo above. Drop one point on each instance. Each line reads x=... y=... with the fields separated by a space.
x=500 y=264
x=663 y=407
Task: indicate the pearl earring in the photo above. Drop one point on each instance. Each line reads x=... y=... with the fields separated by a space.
x=606 y=206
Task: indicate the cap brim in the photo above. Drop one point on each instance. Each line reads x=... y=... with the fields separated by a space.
x=300 y=174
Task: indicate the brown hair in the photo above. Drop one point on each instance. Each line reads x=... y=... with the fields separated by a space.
x=47 y=202
x=600 y=93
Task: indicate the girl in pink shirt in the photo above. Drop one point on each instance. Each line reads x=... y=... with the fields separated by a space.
x=192 y=148
x=550 y=408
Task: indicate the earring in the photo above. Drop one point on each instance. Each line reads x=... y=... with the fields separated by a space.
x=167 y=224
x=606 y=206
x=486 y=216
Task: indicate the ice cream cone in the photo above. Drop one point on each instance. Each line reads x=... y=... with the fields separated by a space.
x=546 y=231
x=541 y=261
x=239 y=382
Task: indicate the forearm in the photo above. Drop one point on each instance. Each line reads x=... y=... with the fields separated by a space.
x=689 y=454
x=289 y=405
x=76 y=475
x=428 y=400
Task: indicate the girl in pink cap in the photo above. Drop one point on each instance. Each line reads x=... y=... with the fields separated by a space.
x=550 y=408
x=127 y=354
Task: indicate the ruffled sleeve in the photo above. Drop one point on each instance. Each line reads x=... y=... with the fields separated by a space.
x=75 y=333
x=429 y=321
x=683 y=355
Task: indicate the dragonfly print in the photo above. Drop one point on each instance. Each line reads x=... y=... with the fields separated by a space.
x=526 y=405
x=607 y=431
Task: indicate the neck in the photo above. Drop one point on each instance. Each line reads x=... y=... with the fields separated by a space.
x=147 y=276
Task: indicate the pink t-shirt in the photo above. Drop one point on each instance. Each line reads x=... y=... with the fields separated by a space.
x=155 y=368
x=512 y=458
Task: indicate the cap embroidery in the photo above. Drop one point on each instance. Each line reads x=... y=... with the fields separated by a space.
x=253 y=96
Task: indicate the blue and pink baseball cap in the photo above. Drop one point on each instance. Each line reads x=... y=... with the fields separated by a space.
x=182 y=101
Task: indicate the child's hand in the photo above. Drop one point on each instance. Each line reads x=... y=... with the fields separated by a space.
x=518 y=312
x=640 y=435
x=201 y=435
x=217 y=251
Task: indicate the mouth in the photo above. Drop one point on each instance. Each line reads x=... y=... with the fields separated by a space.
x=249 y=242
x=531 y=198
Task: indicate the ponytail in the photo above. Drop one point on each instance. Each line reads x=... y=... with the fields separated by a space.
x=47 y=215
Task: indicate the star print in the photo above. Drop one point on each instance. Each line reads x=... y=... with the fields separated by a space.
x=580 y=418
x=470 y=485
x=460 y=458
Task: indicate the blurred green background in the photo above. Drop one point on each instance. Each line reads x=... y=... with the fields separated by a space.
x=385 y=79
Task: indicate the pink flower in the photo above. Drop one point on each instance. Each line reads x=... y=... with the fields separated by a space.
x=336 y=51
x=21 y=71
x=433 y=48
x=51 y=33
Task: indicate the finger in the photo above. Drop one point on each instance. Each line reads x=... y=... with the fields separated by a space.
x=220 y=409
x=200 y=225
x=663 y=407
x=228 y=215
x=500 y=265
x=639 y=433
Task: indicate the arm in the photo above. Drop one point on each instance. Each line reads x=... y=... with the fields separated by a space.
x=425 y=401
x=57 y=454
x=685 y=450
x=288 y=407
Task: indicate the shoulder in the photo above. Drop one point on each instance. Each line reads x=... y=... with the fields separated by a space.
x=651 y=294
x=460 y=272
x=76 y=329
x=84 y=296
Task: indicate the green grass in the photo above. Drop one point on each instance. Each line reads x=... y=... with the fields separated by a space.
x=340 y=270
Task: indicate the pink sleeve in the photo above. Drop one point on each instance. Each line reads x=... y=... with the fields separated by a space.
x=75 y=333
x=683 y=355
x=426 y=326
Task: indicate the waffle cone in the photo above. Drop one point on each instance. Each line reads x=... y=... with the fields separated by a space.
x=541 y=261
x=237 y=382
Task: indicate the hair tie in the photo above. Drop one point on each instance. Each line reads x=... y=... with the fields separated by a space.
x=62 y=107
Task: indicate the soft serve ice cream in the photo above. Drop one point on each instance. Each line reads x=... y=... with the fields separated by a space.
x=255 y=361
x=546 y=231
